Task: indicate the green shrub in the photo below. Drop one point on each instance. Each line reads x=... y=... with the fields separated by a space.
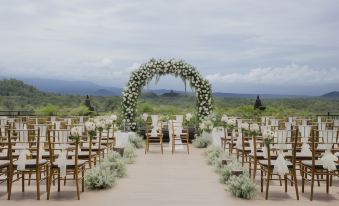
x=242 y=186
x=137 y=141
x=130 y=153
x=48 y=110
x=82 y=110
x=99 y=177
x=200 y=142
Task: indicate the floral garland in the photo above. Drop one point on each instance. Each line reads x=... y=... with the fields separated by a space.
x=157 y=68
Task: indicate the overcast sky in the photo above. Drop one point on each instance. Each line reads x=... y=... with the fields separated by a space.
x=261 y=46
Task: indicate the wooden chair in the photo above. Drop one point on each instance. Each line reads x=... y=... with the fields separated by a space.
x=28 y=140
x=227 y=141
x=74 y=167
x=108 y=140
x=267 y=166
x=6 y=165
x=314 y=169
x=154 y=139
x=183 y=137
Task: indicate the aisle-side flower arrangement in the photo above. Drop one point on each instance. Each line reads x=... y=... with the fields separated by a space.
x=240 y=186
x=137 y=141
x=201 y=142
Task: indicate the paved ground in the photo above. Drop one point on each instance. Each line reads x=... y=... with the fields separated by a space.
x=158 y=179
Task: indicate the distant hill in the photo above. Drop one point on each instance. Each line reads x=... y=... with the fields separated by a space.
x=13 y=87
x=85 y=87
x=72 y=87
x=331 y=94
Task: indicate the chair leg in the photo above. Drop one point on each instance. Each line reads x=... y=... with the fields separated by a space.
x=59 y=180
x=77 y=185
x=312 y=185
x=268 y=182
x=188 y=147
x=9 y=182
x=285 y=182
x=46 y=176
x=23 y=181
x=29 y=179
x=38 y=184
x=261 y=180
x=255 y=164
x=302 y=179
x=295 y=183
x=83 y=180
x=327 y=182
x=50 y=179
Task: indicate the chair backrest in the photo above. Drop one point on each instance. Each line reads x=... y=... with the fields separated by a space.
x=6 y=144
x=26 y=140
x=59 y=141
x=294 y=148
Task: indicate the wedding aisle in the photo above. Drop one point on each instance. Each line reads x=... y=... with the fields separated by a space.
x=166 y=180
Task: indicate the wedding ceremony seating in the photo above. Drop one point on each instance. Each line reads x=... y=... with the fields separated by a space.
x=66 y=166
x=179 y=134
x=154 y=134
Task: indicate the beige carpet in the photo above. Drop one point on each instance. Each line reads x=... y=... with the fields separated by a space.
x=171 y=180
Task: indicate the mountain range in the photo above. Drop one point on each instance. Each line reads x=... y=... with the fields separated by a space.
x=93 y=89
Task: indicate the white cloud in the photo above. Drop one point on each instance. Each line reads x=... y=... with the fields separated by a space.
x=290 y=79
x=291 y=74
x=100 y=41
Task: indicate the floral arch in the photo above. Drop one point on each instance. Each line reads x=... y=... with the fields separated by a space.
x=156 y=68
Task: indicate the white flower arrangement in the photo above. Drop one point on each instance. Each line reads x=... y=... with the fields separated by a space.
x=254 y=127
x=231 y=122
x=224 y=119
x=188 y=117
x=76 y=131
x=113 y=117
x=90 y=126
x=144 y=117
x=159 y=67
x=206 y=125
x=268 y=136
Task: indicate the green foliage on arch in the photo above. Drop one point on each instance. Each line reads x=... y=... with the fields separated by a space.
x=156 y=68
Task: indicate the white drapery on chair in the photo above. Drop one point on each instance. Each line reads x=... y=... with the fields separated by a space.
x=280 y=165
x=328 y=159
x=23 y=148
x=61 y=150
x=155 y=119
x=177 y=131
x=305 y=132
x=321 y=128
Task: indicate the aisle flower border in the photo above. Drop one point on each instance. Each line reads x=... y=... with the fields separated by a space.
x=157 y=68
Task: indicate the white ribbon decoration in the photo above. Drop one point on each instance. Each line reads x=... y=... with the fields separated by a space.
x=23 y=148
x=61 y=161
x=280 y=166
x=305 y=132
x=239 y=139
x=328 y=159
x=155 y=119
